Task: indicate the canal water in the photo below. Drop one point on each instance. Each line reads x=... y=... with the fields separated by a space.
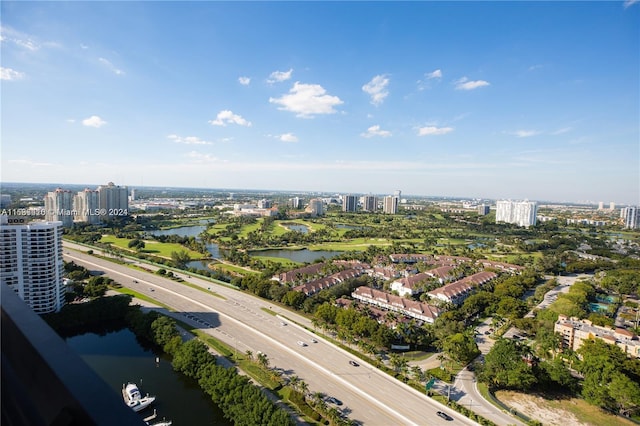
x=119 y=358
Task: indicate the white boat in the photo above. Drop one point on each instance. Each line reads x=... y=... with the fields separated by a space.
x=134 y=399
x=161 y=423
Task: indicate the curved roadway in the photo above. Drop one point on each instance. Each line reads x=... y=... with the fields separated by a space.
x=370 y=397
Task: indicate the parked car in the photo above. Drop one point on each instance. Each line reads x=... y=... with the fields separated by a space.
x=355 y=364
x=444 y=416
x=333 y=400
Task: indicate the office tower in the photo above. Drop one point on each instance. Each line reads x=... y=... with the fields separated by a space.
x=114 y=201
x=631 y=216
x=316 y=207
x=370 y=203
x=133 y=194
x=601 y=205
x=521 y=213
x=349 y=203
x=612 y=206
x=58 y=206
x=31 y=262
x=483 y=209
x=87 y=205
x=390 y=204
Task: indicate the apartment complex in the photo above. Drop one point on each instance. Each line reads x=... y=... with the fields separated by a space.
x=31 y=262
x=631 y=217
x=316 y=207
x=349 y=203
x=521 y=213
x=114 y=200
x=390 y=204
x=59 y=207
x=574 y=332
x=87 y=203
x=370 y=203
x=411 y=308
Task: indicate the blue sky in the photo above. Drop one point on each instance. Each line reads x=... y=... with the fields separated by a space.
x=536 y=100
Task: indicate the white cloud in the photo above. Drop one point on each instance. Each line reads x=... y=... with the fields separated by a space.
x=377 y=89
x=279 y=76
x=288 y=137
x=375 y=131
x=188 y=140
x=201 y=158
x=30 y=163
x=71 y=120
x=628 y=3
x=525 y=133
x=83 y=46
x=307 y=100
x=94 y=121
x=435 y=74
x=245 y=81
x=10 y=74
x=110 y=66
x=433 y=130
x=561 y=131
x=465 y=84
x=228 y=117
x=22 y=40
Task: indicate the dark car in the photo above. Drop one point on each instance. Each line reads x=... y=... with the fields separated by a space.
x=444 y=416
x=333 y=400
x=355 y=364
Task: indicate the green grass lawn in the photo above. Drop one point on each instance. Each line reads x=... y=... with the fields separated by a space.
x=154 y=248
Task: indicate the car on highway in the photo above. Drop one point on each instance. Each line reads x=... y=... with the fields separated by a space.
x=333 y=400
x=283 y=323
x=151 y=289
x=135 y=281
x=314 y=341
x=301 y=343
x=355 y=364
x=445 y=416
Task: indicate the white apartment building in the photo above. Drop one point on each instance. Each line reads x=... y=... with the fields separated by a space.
x=114 y=200
x=390 y=204
x=31 y=262
x=631 y=216
x=521 y=213
x=87 y=205
x=58 y=207
x=316 y=207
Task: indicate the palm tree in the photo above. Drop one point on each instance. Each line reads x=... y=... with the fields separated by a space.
x=263 y=360
x=294 y=381
x=304 y=387
x=249 y=355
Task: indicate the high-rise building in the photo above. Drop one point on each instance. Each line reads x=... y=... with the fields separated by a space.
x=58 y=206
x=264 y=204
x=114 y=200
x=87 y=205
x=349 y=203
x=370 y=203
x=316 y=207
x=521 y=213
x=31 y=262
x=484 y=209
x=612 y=206
x=601 y=205
x=631 y=216
x=390 y=204
x=295 y=203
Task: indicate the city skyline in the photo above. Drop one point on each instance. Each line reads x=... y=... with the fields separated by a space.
x=351 y=97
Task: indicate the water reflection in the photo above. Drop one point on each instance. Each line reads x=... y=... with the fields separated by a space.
x=119 y=358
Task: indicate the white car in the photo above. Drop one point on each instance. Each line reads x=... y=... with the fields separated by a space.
x=314 y=341
x=301 y=343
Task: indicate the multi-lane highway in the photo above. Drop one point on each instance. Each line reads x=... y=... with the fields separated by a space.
x=239 y=319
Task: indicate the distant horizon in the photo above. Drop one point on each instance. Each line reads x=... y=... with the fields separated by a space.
x=514 y=100
x=309 y=192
